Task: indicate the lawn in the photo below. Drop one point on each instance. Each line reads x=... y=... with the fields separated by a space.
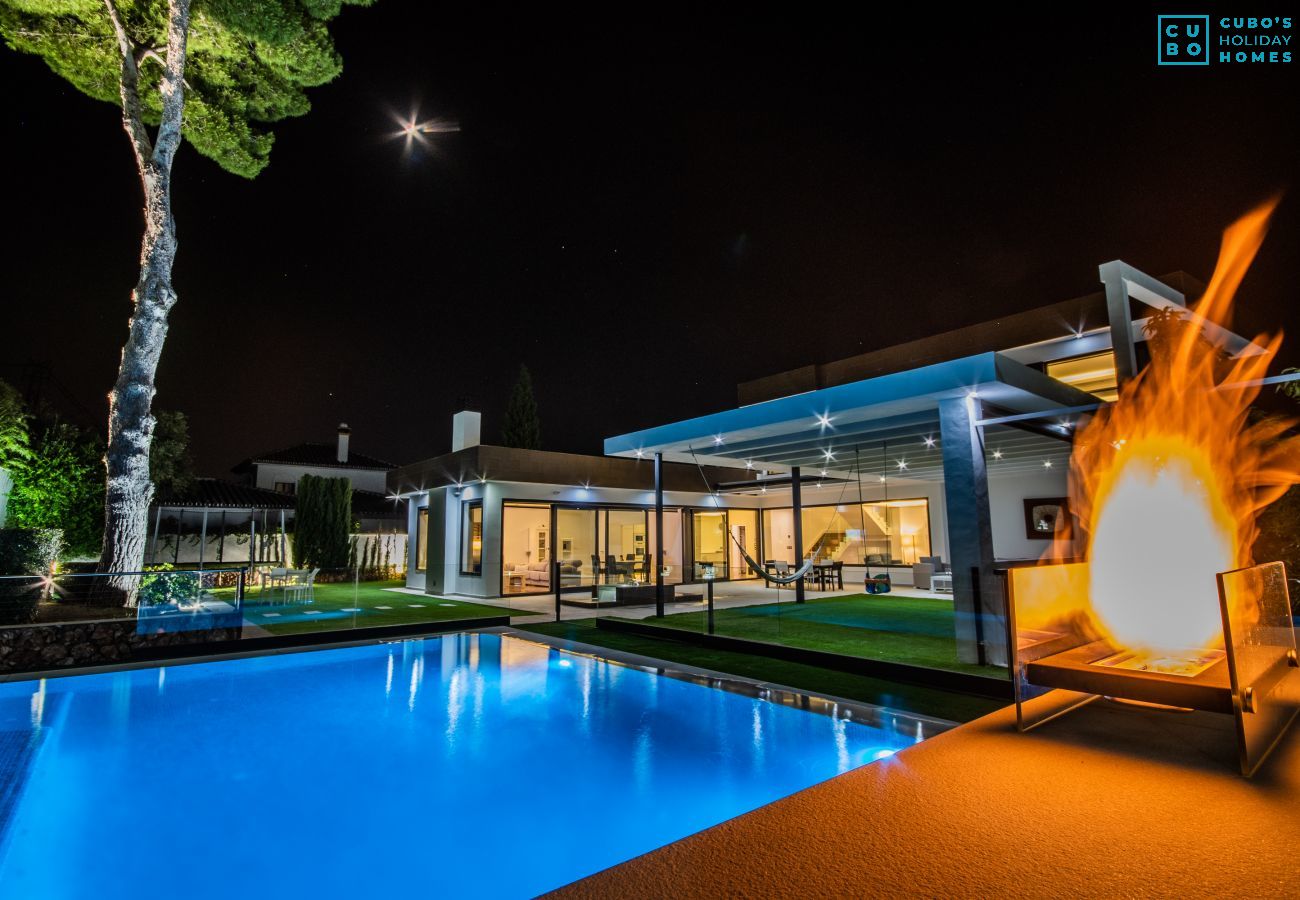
x=911 y=698
x=369 y=604
x=918 y=631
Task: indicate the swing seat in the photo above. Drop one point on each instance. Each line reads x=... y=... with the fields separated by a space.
x=878 y=584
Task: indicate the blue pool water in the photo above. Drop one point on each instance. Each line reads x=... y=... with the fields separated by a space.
x=463 y=765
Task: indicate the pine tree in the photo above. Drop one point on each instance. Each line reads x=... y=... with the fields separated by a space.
x=522 y=428
x=216 y=74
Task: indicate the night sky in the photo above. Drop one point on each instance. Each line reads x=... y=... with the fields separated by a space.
x=645 y=208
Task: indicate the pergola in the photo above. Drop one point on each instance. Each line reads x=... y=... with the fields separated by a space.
x=216 y=504
x=843 y=432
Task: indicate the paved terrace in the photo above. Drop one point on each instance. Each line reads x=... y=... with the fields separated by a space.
x=1107 y=801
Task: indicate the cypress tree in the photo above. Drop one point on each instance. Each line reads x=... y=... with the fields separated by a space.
x=322 y=522
x=522 y=428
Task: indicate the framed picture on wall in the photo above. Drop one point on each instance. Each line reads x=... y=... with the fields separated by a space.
x=1047 y=518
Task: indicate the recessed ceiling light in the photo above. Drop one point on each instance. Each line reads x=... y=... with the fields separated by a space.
x=824 y=420
x=929 y=442
x=1047 y=464
x=902 y=465
x=997 y=454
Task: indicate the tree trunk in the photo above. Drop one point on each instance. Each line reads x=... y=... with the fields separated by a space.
x=130 y=418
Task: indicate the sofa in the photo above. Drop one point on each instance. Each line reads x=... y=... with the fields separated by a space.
x=538 y=574
x=925 y=569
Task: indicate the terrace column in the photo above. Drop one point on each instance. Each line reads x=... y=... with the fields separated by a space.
x=977 y=591
x=659 y=534
x=203 y=539
x=796 y=501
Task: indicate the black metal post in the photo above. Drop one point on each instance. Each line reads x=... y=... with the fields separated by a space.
x=710 y=595
x=659 y=535
x=555 y=574
x=796 y=499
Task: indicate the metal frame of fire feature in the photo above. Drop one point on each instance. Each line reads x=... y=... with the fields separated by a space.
x=1255 y=678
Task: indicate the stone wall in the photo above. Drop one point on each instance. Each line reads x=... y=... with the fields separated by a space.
x=58 y=645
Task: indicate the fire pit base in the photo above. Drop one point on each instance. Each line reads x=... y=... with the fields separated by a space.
x=1255 y=678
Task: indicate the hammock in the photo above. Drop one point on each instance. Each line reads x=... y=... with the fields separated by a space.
x=761 y=571
x=758 y=568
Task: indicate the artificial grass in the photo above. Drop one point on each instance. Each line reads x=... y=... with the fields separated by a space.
x=918 y=631
x=331 y=608
x=910 y=698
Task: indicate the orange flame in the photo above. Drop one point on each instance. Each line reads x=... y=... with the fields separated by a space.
x=1168 y=480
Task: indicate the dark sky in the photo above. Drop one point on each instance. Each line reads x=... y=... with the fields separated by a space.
x=645 y=208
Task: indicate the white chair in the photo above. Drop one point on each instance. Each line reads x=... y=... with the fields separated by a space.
x=301 y=590
x=273 y=578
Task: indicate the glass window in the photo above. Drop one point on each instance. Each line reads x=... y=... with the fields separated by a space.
x=525 y=548
x=472 y=539
x=743 y=524
x=1094 y=373
x=887 y=532
x=422 y=540
x=575 y=546
x=710 y=544
x=286 y=487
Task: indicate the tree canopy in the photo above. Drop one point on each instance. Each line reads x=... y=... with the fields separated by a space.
x=61 y=485
x=522 y=428
x=249 y=62
x=170 y=465
x=13 y=427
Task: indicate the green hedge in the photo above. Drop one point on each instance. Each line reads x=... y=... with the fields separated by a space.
x=30 y=552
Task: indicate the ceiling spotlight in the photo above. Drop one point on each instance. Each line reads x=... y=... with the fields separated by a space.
x=929 y=442
x=882 y=478
x=829 y=455
x=640 y=453
x=902 y=465
x=823 y=473
x=997 y=454
x=749 y=464
x=717 y=440
x=1047 y=464
x=824 y=420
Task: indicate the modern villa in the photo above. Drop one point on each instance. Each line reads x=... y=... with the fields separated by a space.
x=955 y=447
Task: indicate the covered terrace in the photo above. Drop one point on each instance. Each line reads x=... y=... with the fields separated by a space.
x=934 y=424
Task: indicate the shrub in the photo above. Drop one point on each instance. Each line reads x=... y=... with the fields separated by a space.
x=165 y=585
x=30 y=552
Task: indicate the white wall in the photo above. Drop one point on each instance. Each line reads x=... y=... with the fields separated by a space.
x=1007 y=510
x=362 y=479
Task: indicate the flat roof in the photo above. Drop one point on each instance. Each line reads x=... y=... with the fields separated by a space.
x=820 y=429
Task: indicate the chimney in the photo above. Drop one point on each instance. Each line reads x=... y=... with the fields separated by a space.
x=344 y=433
x=464 y=429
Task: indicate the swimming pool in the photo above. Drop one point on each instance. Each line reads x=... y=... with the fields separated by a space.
x=478 y=764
